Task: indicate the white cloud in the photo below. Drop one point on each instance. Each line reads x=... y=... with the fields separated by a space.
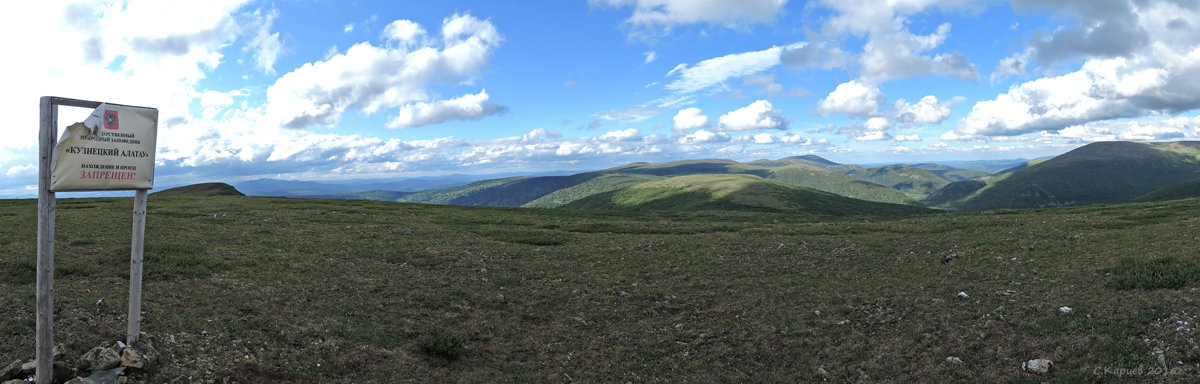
x=758 y=115
x=853 y=98
x=763 y=138
x=903 y=138
x=405 y=33
x=372 y=78
x=629 y=115
x=466 y=107
x=715 y=71
x=1014 y=65
x=266 y=45
x=872 y=136
x=688 y=119
x=651 y=56
x=892 y=51
x=1178 y=128
x=1101 y=90
x=22 y=170
x=1138 y=61
x=631 y=134
x=926 y=111
x=150 y=53
x=703 y=137
x=877 y=124
x=654 y=18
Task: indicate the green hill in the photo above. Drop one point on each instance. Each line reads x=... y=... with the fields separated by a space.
x=822 y=179
x=202 y=189
x=1097 y=173
x=1184 y=190
x=599 y=184
x=912 y=181
x=723 y=192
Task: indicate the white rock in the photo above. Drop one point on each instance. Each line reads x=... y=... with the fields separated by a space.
x=953 y=360
x=1038 y=366
x=963 y=295
x=1064 y=309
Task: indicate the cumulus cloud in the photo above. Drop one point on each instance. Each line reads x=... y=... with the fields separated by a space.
x=373 y=78
x=1162 y=83
x=467 y=107
x=688 y=119
x=1178 y=128
x=654 y=18
x=926 y=111
x=1109 y=28
x=651 y=56
x=1123 y=75
x=892 y=51
x=406 y=33
x=622 y=135
x=853 y=98
x=758 y=115
x=704 y=136
x=903 y=138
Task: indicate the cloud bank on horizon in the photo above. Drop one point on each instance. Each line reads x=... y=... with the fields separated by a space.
x=250 y=89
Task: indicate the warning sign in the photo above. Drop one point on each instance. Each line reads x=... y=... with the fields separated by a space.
x=113 y=149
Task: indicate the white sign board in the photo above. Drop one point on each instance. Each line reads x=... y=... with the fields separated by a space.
x=113 y=149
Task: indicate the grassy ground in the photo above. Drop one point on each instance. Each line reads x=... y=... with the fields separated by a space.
x=291 y=290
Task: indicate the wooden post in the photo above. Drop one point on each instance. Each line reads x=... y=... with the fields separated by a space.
x=47 y=137
x=135 y=266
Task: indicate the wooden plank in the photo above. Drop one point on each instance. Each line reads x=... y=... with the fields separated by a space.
x=47 y=137
x=135 y=266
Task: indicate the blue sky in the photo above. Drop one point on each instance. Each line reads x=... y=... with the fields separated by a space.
x=325 y=90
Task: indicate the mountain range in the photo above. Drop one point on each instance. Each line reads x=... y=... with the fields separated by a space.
x=1097 y=173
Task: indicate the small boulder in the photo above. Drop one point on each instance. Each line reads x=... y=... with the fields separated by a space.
x=953 y=360
x=1038 y=366
x=140 y=355
x=99 y=359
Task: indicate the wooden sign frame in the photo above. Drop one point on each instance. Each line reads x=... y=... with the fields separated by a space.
x=47 y=138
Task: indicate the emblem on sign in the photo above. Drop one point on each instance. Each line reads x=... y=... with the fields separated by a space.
x=110 y=119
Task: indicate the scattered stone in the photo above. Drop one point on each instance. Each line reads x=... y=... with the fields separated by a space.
x=139 y=355
x=821 y=371
x=1038 y=366
x=1064 y=309
x=963 y=295
x=11 y=371
x=950 y=257
x=110 y=376
x=133 y=359
x=99 y=359
x=953 y=360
